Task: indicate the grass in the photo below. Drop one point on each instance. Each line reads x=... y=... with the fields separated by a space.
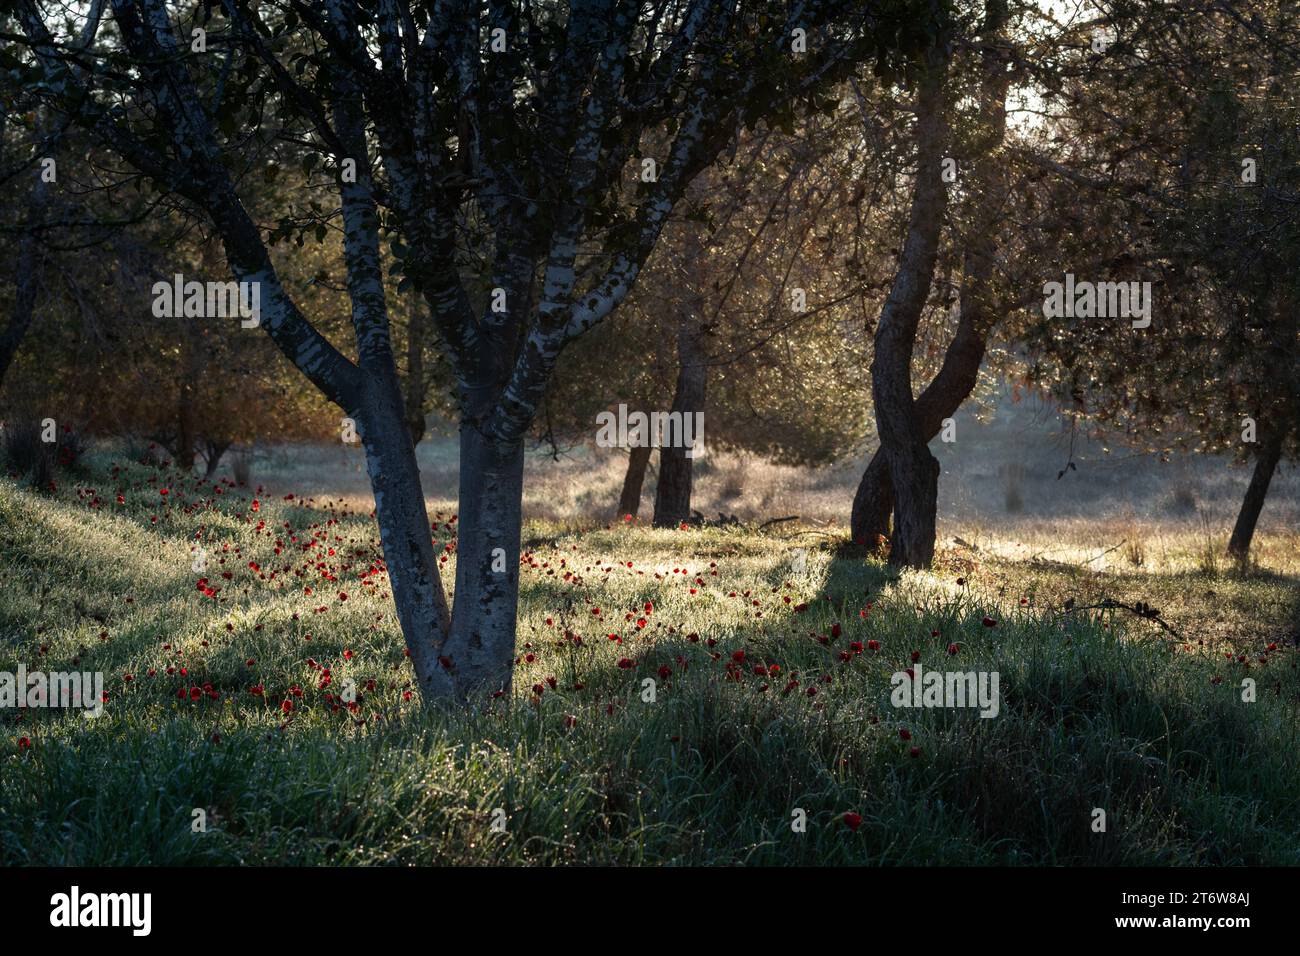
x=1098 y=709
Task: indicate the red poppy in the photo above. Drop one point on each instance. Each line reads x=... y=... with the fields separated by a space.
x=853 y=820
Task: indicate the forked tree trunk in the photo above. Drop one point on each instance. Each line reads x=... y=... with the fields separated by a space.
x=629 y=502
x=1256 y=492
x=874 y=500
x=913 y=471
x=215 y=450
x=673 y=490
x=463 y=653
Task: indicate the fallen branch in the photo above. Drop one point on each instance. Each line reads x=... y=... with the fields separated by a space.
x=1140 y=609
x=772 y=521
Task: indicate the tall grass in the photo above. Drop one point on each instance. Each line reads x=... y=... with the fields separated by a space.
x=717 y=766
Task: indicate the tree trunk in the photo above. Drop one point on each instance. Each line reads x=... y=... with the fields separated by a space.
x=874 y=499
x=1251 y=506
x=913 y=471
x=872 y=503
x=216 y=450
x=629 y=502
x=482 y=644
x=405 y=534
x=673 y=490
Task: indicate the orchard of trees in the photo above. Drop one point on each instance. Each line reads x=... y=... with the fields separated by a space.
x=818 y=223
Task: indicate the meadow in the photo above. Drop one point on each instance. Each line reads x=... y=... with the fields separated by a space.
x=266 y=696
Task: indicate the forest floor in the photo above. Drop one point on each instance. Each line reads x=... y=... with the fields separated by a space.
x=770 y=736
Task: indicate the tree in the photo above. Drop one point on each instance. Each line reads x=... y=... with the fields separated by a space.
x=524 y=118
x=980 y=307
x=744 y=314
x=1182 y=138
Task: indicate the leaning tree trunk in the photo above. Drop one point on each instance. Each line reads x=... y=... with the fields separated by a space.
x=873 y=503
x=913 y=471
x=629 y=502
x=673 y=490
x=1251 y=506
x=405 y=533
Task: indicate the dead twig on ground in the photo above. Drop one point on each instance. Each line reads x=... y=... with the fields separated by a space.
x=1140 y=609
